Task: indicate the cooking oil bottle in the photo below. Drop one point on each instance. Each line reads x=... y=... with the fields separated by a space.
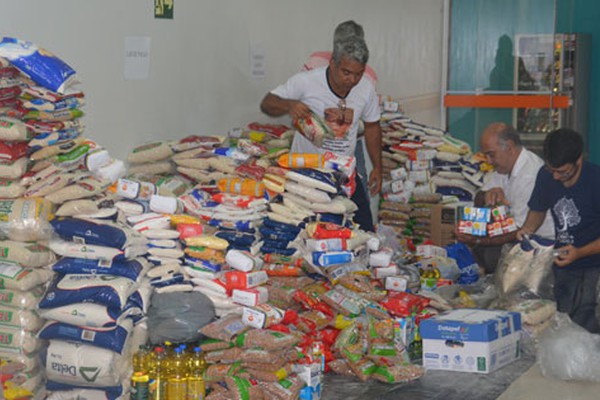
x=177 y=377
x=140 y=360
x=196 y=389
x=157 y=375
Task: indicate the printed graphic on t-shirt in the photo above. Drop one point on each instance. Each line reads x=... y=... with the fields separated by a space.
x=339 y=121
x=567 y=216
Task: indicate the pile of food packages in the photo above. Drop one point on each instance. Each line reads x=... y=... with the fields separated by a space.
x=216 y=266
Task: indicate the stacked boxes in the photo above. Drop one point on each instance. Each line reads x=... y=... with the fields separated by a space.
x=443 y=224
x=483 y=221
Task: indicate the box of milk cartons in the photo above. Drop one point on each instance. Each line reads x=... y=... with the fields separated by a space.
x=471 y=340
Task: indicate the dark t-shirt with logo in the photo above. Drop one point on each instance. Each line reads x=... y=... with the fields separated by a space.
x=575 y=210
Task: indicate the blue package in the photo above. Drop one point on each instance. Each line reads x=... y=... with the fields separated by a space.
x=129 y=269
x=110 y=291
x=111 y=339
x=199 y=263
x=88 y=232
x=327 y=258
x=236 y=237
x=170 y=280
x=281 y=226
x=276 y=244
x=283 y=252
x=40 y=65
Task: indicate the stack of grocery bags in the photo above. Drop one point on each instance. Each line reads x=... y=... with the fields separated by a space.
x=25 y=268
x=97 y=295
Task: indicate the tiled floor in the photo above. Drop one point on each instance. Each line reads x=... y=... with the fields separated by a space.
x=533 y=386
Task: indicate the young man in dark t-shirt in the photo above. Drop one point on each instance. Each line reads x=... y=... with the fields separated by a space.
x=570 y=189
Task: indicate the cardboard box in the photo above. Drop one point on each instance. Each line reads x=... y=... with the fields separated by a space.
x=471 y=340
x=443 y=224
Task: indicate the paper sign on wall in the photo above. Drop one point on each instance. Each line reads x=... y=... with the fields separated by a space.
x=137 y=57
x=258 y=61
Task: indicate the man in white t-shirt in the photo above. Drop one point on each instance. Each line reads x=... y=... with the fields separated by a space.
x=319 y=59
x=339 y=95
x=511 y=184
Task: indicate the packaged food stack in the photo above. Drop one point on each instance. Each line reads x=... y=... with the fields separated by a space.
x=435 y=267
x=17 y=384
x=243 y=360
x=25 y=262
x=422 y=166
x=485 y=221
x=94 y=305
x=14 y=133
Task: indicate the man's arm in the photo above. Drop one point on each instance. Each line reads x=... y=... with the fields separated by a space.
x=373 y=142
x=276 y=106
x=485 y=240
x=534 y=220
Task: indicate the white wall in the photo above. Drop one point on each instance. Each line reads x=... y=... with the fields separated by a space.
x=200 y=81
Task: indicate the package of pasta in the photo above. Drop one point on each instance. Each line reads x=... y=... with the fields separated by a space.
x=363 y=368
x=225 y=356
x=225 y=328
x=314 y=129
x=218 y=372
x=312 y=321
x=286 y=389
x=243 y=389
x=266 y=339
x=402 y=373
x=266 y=375
x=351 y=343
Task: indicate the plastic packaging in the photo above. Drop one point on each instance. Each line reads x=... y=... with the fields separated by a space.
x=567 y=351
x=41 y=65
x=178 y=316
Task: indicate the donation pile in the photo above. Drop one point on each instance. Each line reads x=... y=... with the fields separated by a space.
x=422 y=166
x=25 y=261
x=231 y=244
x=97 y=295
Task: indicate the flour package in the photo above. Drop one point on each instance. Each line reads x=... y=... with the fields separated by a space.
x=97 y=233
x=97 y=315
x=113 y=338
x=108 y=290
x=39 y=64
x=132 y=269
x=83 y=365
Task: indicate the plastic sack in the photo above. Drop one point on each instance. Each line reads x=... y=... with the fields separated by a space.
x=42 y=66
x=526 y=265
x=469 y=270
x=567 y=351
x=25 y=219
x=177 y=316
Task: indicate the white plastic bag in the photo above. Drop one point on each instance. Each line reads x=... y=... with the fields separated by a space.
x=567 y=351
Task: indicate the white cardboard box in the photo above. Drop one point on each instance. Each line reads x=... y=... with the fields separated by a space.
x=471 y=340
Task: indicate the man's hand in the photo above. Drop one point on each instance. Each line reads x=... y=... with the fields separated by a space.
x=298 y=109
x=469 y=240
x=495 y=196
x=566 y=255
x=375 y=180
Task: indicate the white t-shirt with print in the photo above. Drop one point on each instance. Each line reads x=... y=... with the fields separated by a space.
x=312 y=88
